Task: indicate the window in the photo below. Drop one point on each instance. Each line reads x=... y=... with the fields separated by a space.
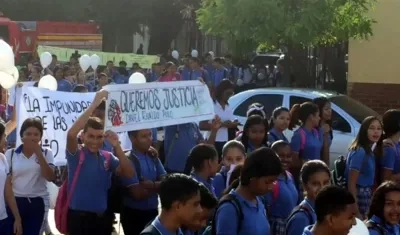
x=270 y=102
x=297 y=100
x=339 y=123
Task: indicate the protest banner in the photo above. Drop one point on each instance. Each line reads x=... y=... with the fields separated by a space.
x=58 y=112
x=64 y=54
x=157 y=104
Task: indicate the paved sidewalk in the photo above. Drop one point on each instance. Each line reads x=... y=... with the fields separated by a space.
x=54 y=230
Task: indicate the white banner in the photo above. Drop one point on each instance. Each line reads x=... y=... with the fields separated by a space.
x=157 y=104
x=58 y=111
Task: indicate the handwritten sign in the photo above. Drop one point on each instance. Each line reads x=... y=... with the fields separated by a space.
x=57 y=110
x=157 y=104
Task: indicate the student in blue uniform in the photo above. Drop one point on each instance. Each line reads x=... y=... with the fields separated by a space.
x=360 y=163
x=335 y=209
x=384 y=213
x=255 y=133
x=260 y=170
x=279 y=122
x=86 y=214
x=180 y=205
x=141 y=205
x=325 y=125
x=233 y=154
x=284 y=197
x=253 y=109
x=314 y=175
x=390 y=164
x=202 y=164
x=208 y=203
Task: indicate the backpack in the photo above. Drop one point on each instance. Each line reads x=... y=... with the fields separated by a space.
x=338 y=172
x=229 y=198
x=376 y=226
x=304 y=138
x=64 y=197
x=297 y=209
x=276 y=188
x=150 y=230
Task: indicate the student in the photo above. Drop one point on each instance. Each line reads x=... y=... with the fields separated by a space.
x=88 y=204
x=391 y=159
x=242 y=212
x=314 y=176
x=7 y=195
x=219 y=73
x=384 y=213
x=208 y=203
x=279 y=122
x=170 y=73
x=202 y=164
x=360 y=163
x=141 y=205
x=253 y=109
x=255 y=134
x=179 y=141
x=283 y=199
x=335 y=209
x=31 y=167
x=222 y=109
x=197 y=71
x=325 y=126
x=180 y=205
x=233 y=154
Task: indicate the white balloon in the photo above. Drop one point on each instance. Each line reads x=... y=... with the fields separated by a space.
x=195 y=53
x=94 y=61
x=211 y=53
x=48 y=82
x=53 y=193
x=6 y=56
x=137 y=78
x=84 y=62
x=14 y=73
x=240 y=82
x=175 y=54
x=359 y=229
x=45 y=59
x=6 y=80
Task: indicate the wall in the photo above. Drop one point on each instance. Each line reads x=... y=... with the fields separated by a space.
x=374 y=65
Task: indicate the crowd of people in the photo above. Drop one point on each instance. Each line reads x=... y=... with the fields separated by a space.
x=225 y=182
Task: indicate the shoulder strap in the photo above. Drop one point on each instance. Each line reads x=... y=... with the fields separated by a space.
x=316 y=133
x=150 y=230
x=373 y=225
x=302 y=208
x=229 y=198
x=302 y=138
x=275 y=190
x=224 y=177
x=274 y=136
x=11 y=160
x=136 y=163
x=107 y=156
x=76 y=175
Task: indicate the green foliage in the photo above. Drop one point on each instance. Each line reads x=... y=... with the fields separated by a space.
x=290 y=22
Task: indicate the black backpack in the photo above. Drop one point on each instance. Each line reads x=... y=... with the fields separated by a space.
x=338 y=172
x=150 y=230
x=229 y=198
x=297 y=209
x=378 y=227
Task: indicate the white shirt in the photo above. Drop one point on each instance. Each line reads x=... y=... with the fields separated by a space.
x=3 y=179
x=225 y=115
x=27 y=179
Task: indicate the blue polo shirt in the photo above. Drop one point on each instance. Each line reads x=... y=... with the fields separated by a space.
x=219 y=182
x=91 y=189
x=121 y=79
x=154 y=133
x=391 y=158
x=64 y=85
x=255 y=221
x=202 y=73
x=390 y=229
x=309 y=147
x=307 y=230
x=151 y=169
x=162 y=229
x=300 y=220
x=274 y=135
x=207 y=183
x=321 y=132
x=218 y=76
x=178 y=141
x=360 y=161
x=285 y=200
x=210 y=69
x=185 y=73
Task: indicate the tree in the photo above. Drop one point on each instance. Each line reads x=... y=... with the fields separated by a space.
x=291 y=24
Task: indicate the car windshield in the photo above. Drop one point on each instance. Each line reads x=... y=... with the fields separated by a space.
x=354 y=108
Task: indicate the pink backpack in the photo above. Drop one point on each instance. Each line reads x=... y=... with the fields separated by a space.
x=276 y=189
x=303 y=137
x=64 y=197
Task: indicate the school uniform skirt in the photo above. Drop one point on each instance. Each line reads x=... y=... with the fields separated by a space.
x=278 y=225
x=364 y=195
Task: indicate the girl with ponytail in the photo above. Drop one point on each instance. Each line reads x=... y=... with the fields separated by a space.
x=202 y=164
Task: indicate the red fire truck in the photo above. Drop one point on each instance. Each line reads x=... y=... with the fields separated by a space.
x=25 y=36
